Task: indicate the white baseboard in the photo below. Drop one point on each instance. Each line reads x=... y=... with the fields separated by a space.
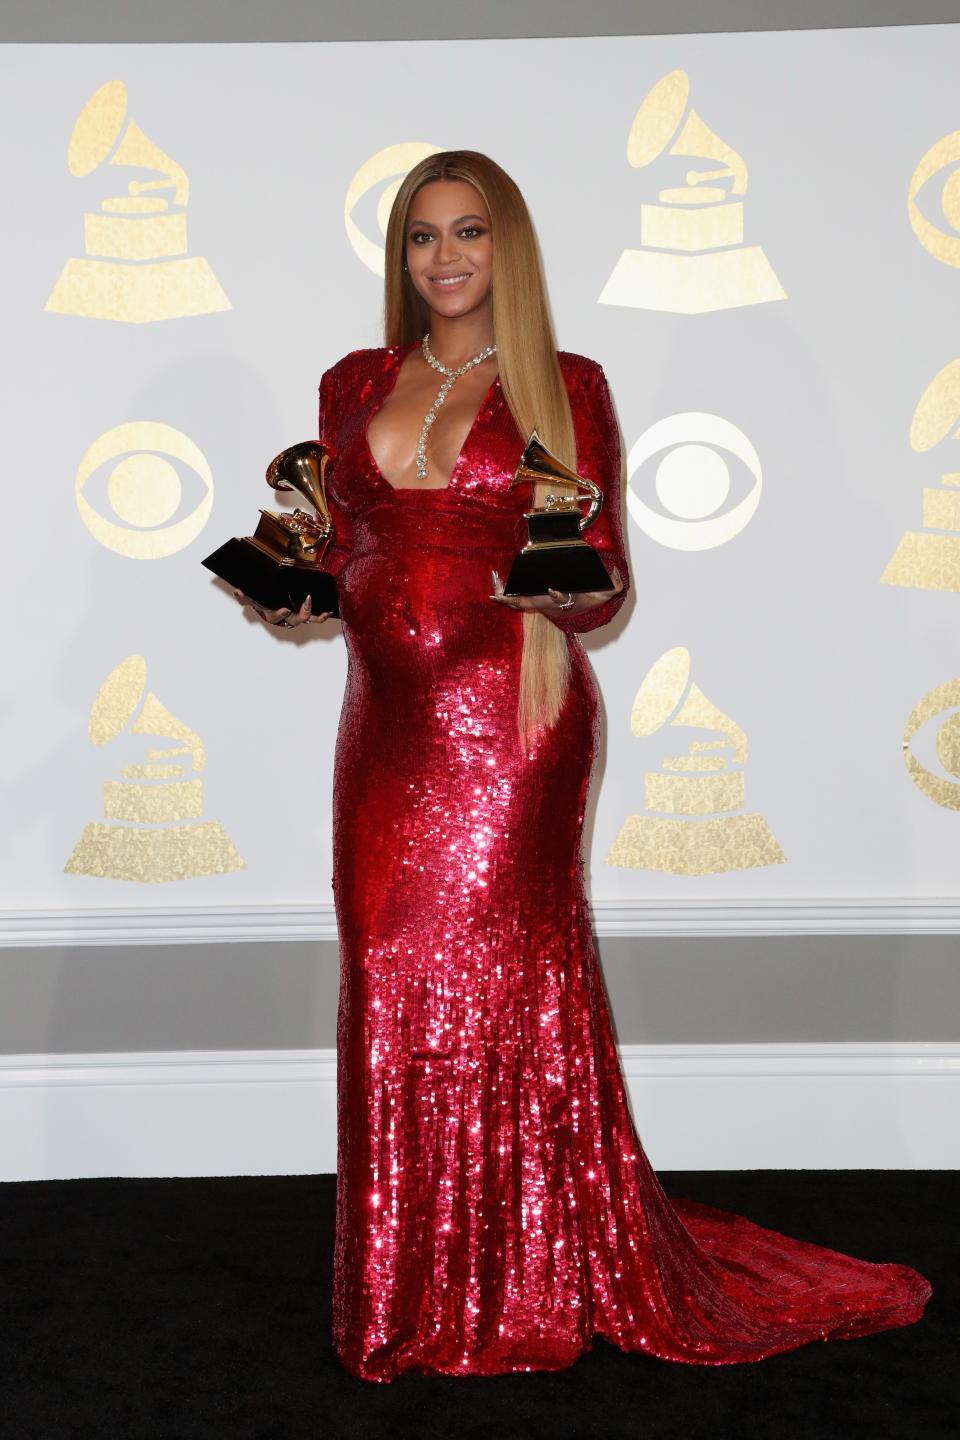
x=709 y=1107
x=215 y=924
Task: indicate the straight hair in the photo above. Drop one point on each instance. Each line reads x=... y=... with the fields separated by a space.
x=530 y=376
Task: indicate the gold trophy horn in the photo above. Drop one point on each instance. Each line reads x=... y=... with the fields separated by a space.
x=537 y=463
x=300 y=468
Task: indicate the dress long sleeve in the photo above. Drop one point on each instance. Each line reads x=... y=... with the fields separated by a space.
x=338 y=550
x=598 y=457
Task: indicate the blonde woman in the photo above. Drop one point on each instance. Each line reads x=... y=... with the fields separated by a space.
x=495 y=1208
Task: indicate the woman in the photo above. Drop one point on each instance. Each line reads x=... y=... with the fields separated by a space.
x=495 y=1208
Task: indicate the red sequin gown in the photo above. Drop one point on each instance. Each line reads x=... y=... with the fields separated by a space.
x=495 y=1208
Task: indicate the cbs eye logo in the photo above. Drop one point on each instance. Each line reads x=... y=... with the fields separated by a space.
x=939 y=243
x=390 y=164
x=145 y=490
x=693 y=481
x=941 y=704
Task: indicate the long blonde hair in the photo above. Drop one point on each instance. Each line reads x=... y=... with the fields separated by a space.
x=530 y=376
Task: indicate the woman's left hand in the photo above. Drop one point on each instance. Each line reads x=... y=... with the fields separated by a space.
x=553 y=602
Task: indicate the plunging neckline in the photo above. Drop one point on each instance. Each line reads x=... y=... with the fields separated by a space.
x=404 y=351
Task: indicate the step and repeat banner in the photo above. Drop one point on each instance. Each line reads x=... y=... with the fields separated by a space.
x=757 y=235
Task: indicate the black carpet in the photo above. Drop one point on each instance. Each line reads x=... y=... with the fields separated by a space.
x=188 y=1308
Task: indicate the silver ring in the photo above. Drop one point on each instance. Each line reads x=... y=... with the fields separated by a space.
x=566 y=604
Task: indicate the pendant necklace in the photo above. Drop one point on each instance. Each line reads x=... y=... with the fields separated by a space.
x=444 y=391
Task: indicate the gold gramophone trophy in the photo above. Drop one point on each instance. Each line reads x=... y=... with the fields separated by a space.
x=280 y=564
x=556 y=556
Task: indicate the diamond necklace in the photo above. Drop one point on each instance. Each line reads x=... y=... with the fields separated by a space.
x=444 y=391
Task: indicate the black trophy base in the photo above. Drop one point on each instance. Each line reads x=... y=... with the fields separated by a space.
x=271 y=584
x=573 y=568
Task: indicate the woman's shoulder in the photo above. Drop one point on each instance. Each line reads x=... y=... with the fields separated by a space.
x=579 y=369
x=362 y=364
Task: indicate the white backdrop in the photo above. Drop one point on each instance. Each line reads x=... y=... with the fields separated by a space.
x=793 y=386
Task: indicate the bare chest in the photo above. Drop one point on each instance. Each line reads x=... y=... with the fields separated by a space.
x=394 y=429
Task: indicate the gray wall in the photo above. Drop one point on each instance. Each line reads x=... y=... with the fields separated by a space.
x=662 y=991
x=249 y=20
x=731 y=990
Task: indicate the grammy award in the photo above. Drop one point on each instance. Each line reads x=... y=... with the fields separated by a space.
x=556 y=556
x=280 y=564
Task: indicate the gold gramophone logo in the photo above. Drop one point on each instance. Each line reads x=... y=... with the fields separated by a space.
x=153 y=830
x=929 y=559
x=144 y=489
x=391 y=163
x=694 y=822
x=940 y=244
x=938 y=701
x=692 y=258
x=135 y=267
x=693 y=481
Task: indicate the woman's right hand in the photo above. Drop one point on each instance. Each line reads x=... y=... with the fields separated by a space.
x=280 y=617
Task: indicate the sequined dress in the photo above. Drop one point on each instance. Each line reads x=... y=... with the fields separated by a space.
x=495 y=1208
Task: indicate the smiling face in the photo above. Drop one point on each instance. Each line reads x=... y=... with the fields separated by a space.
x=449 y=247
